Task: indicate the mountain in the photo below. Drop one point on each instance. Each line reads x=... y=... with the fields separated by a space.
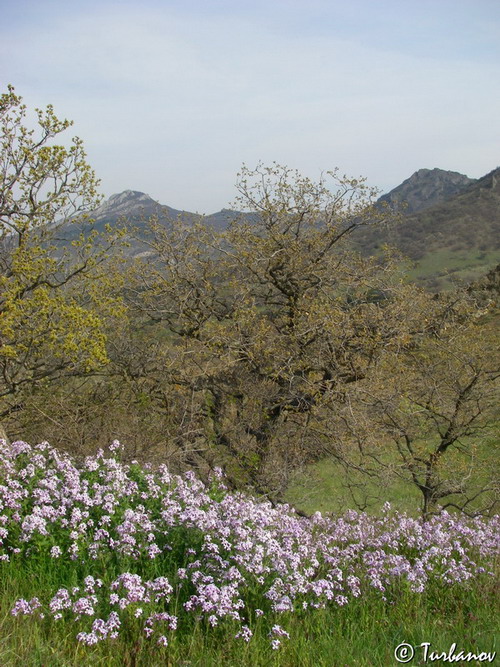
x=130 y=204
x=137 y=207
x=456 y=238
x=425 y=188
x=450 y=226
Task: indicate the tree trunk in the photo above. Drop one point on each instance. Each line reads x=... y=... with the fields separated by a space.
x=3 y=435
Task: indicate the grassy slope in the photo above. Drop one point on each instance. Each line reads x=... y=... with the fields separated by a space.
x=445 y=268
x=321 y=487
x=455 y=240
x=364 y=633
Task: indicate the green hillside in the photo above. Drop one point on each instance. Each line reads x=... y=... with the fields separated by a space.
x=456 y=240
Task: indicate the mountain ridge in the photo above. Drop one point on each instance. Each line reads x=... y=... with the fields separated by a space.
x=425 y=188
x=451 y=224
x=456 y=238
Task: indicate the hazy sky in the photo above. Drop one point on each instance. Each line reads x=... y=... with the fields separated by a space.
x=172 y=96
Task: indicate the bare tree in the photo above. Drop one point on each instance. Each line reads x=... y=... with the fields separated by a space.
x=428 y=416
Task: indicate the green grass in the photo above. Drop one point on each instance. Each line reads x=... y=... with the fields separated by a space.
x=449 y=267
x=324 y=486
x=365 y=632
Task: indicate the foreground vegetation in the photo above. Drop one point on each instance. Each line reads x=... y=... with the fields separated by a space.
x=261 y=350
x=108 y=563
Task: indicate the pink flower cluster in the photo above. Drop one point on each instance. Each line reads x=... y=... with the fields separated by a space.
x=163 y=550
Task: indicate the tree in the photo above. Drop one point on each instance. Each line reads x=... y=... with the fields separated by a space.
x=282 y=346
x=53 y=291
x=269 y=322
x=429 y=416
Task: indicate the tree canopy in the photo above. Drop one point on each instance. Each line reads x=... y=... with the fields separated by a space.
x=51 y=289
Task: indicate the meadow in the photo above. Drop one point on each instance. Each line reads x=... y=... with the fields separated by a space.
x=104 y=562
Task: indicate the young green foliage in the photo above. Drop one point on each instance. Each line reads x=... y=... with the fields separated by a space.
x=53 y=291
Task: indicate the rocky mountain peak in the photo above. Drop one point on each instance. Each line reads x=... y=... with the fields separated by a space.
x=427 y=187
x=491 y=181
x=125 y=203
x=130 y=196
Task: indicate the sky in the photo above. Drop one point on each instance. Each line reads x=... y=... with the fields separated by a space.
x=171 y=97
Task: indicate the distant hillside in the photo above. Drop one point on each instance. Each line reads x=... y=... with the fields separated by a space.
x=456 y=238
x=137 y=207
x=450 y=225
x=469 y=219
x=426 y=188
x=133 y=205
